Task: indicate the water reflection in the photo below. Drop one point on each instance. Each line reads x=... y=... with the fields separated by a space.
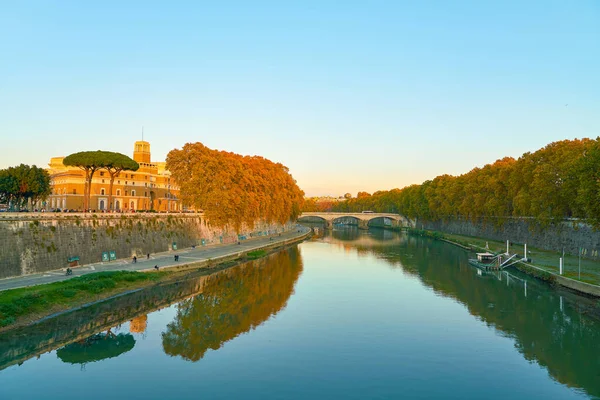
x=19 y=345
x=234 y=300
x=96 y=348
x=356 y=328
x=559 y=330
x=232 y=303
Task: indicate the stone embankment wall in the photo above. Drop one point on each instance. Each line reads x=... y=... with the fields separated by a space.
x=568 y=234
x=33 y=243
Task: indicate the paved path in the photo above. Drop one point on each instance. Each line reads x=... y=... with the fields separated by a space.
x=161 y=259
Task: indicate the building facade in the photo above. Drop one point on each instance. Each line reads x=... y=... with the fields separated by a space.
x=149 y=188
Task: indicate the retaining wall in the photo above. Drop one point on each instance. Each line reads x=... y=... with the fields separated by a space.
x=569 y=235
x=33 y=243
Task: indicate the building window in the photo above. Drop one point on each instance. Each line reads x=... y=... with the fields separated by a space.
x=101 y=173
x=133 y=183
x=102 y=192
x=119 y=182
x=133 y=192
x=125 y=192
x=74 y=191
x=145 y=194
x=145 y=184
x=126 y=181
x=102 y=180
x=118 y=192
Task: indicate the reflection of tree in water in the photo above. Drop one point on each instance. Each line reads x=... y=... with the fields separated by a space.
x=138 y=324
x=232 y=302
x=96 y=348
x=566 y=341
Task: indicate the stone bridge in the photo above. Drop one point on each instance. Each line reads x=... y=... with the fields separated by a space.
x=363 y=220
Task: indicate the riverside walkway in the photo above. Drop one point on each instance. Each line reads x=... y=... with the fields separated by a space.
x=162 y=260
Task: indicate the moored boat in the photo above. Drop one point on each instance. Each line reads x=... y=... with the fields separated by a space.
x=486 y=261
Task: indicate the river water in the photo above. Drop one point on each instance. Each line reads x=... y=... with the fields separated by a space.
x=351 y=314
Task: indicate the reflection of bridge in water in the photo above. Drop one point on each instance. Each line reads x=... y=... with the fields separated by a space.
x=354 y=237
x=362 y=220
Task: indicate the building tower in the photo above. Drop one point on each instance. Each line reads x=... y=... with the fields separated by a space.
x=141 y=152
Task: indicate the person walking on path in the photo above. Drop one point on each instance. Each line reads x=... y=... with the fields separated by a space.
x=148 y=256
x=134 y=259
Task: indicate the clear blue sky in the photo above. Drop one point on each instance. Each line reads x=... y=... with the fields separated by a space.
x=350 y=95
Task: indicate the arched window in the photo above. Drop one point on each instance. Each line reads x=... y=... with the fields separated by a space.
x=102 y=192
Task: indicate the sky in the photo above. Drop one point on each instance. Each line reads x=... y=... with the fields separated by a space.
x=350 y=95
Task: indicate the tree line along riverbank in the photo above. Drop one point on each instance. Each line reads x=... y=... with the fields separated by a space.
x=553 y=183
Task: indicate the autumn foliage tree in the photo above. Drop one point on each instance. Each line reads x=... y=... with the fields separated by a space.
x=233 y=189
x=561 y=180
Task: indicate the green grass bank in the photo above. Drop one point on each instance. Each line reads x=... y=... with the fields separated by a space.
x=26 y=305
x=544 y=263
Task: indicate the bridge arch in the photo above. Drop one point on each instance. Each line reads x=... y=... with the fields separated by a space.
x=364 y=219
x=385 y=221
x=312 y=219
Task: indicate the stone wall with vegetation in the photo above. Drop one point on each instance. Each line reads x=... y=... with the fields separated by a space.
x=569 y=235
x=33 y=243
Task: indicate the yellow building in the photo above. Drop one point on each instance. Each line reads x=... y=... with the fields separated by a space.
x=148 y=188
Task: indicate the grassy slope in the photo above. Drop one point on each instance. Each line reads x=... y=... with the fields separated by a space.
x=25 y=305
x=33 y=302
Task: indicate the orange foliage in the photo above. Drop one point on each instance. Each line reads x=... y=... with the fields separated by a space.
x=138 y=324
x=234 y=189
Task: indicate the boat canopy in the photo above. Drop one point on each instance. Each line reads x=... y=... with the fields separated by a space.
x=485 y=256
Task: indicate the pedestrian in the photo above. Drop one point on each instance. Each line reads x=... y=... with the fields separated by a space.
x=134 y=259
x=148 y=256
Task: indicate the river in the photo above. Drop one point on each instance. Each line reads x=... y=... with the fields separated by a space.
x=348 y=314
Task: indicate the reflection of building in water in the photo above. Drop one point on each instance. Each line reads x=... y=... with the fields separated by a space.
x=138 y=324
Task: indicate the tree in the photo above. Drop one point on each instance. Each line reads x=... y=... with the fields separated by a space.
x=114 y=164
x=8 y=186
x=233 y=189
x=89 y=162
x=20 y=184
